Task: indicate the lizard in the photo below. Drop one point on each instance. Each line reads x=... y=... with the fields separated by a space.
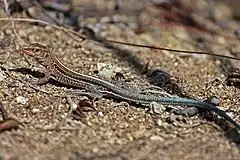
x=56 y=70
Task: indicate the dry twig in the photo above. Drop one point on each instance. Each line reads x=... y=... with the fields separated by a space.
x=12 y=22
x=118 y=42
x=30 y=20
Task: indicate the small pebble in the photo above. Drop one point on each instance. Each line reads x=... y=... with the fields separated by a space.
x=22 y=33
x=156 y=108
x=95 y=150
x=48 y=28
x=159 y=122
x=156 y=138
x=100 y=114
x=35 y=110
x=21 y=100
x=8 y=31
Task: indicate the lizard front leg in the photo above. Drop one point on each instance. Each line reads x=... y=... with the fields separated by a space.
x=43 y=80
x=47 y=70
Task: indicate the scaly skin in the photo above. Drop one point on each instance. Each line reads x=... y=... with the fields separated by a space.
x=59 y=72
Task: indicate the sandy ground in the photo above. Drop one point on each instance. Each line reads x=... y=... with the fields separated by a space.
x=114 y=130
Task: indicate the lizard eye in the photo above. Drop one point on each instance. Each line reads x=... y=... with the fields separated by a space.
x=36 y=50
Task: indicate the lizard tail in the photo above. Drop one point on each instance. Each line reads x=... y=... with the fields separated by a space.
x=199 y=104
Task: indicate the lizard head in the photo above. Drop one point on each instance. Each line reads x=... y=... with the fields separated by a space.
x=39 y=52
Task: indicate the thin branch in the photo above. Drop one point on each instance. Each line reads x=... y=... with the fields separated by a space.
x=174 y=50
x=117 y=42
x=46 y=23
x=12 y=22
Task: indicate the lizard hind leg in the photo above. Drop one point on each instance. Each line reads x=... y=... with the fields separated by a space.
x=91 y=95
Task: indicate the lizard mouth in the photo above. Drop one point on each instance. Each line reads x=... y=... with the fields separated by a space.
x=27 y=52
